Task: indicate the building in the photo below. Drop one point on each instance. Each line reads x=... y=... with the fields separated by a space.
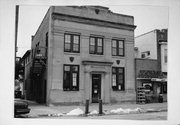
x=83 y=52
x=26 y=62
x=151 y=61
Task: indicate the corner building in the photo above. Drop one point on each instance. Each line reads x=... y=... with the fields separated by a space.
x=87 y=52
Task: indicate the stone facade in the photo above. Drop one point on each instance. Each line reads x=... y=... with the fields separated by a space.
x=86 y=21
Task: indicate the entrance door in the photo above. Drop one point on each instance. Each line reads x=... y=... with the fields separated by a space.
x=96 y=87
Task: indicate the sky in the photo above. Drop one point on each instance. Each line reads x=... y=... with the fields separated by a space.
x=146 y=18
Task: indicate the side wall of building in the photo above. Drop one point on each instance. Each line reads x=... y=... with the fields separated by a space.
x=40 y=39
x=147 y=42
x=164 y=54
x=27 y=77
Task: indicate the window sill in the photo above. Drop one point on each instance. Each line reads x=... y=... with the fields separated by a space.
x=71 y=90
x=96 y=55
x=118 y=90
x=71 y=53
x=118 y=57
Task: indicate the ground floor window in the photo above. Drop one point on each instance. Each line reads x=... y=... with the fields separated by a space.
x=164 y=88
x=118 y=78
x=71 y=78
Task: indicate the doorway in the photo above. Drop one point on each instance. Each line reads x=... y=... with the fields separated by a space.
x=96 y=87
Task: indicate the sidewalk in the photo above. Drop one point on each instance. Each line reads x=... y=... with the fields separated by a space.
x=42 y=110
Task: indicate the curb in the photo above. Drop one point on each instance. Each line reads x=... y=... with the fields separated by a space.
x=104 y=113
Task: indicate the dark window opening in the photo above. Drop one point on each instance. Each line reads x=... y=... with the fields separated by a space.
x=71 y=78
x=117 y=47
x=72 y=43
x=96 y=45
x=118 y=79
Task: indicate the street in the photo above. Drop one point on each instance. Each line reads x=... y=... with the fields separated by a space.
x=154 y=111
x=141 y=116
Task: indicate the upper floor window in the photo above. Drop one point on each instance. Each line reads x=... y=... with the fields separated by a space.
x=71 y=78
x=118 y=78
x=72 y=43
x=118 y=47
x=165 y=55
x=96 y=45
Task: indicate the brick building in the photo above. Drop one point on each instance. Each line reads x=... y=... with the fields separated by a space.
x=151 y=61
x=83 y=52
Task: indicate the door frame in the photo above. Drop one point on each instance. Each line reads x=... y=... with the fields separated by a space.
x=99 y=86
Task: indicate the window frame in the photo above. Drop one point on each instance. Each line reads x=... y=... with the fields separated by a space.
x=72 y=42
x=96 y=45
x=71 y=88
x=117 y=74
x=117 y=47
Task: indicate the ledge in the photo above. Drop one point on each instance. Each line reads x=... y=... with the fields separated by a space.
x=86 y=62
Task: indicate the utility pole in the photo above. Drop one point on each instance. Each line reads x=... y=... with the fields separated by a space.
x=16 y=33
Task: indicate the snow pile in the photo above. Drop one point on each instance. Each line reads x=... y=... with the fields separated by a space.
x=94 y=112
x=125 y=111
x=57 y=114
x=117 y=111
x=76 y=111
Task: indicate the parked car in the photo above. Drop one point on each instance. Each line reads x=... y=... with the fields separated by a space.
x=20 y=107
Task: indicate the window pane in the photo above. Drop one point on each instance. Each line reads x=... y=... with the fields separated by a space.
x=99 y=42
x=120 y=44
x=119 y=87
x=67 y=47
x=92 y=41
x=99 y=49
x=120 y=70
x=76 y=39
x=75 y=47
x=67 y=38
x=113 y=70
x=66 y=68
x=165 y=59
x=114 y=43
x=165 y=55
x=74 y=79
x=114 y=80
x=92 y=49
x=121 y=52
x=120 y=81
x=66 y=84
x=114 y=52
x=75 y=68
x=120 y=76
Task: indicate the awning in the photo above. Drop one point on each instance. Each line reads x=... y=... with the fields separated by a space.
x=159 y=80
x=154 y=79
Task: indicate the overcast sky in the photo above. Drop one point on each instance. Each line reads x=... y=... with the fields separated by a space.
x=146 y=18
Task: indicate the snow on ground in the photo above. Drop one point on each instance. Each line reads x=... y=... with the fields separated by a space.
x=125 y=111
x=94 y=112
x=76 y=111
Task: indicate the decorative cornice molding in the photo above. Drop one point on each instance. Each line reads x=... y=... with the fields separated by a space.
x=91 y=21
x=87 y=62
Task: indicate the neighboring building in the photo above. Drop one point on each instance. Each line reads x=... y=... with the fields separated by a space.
x=26 y=62
x=153 y=45
x=151 y=61
x=84 y=52
x=19 y=71
x=18 y=68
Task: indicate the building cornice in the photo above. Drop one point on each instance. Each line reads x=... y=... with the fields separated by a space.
x=90 y=21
